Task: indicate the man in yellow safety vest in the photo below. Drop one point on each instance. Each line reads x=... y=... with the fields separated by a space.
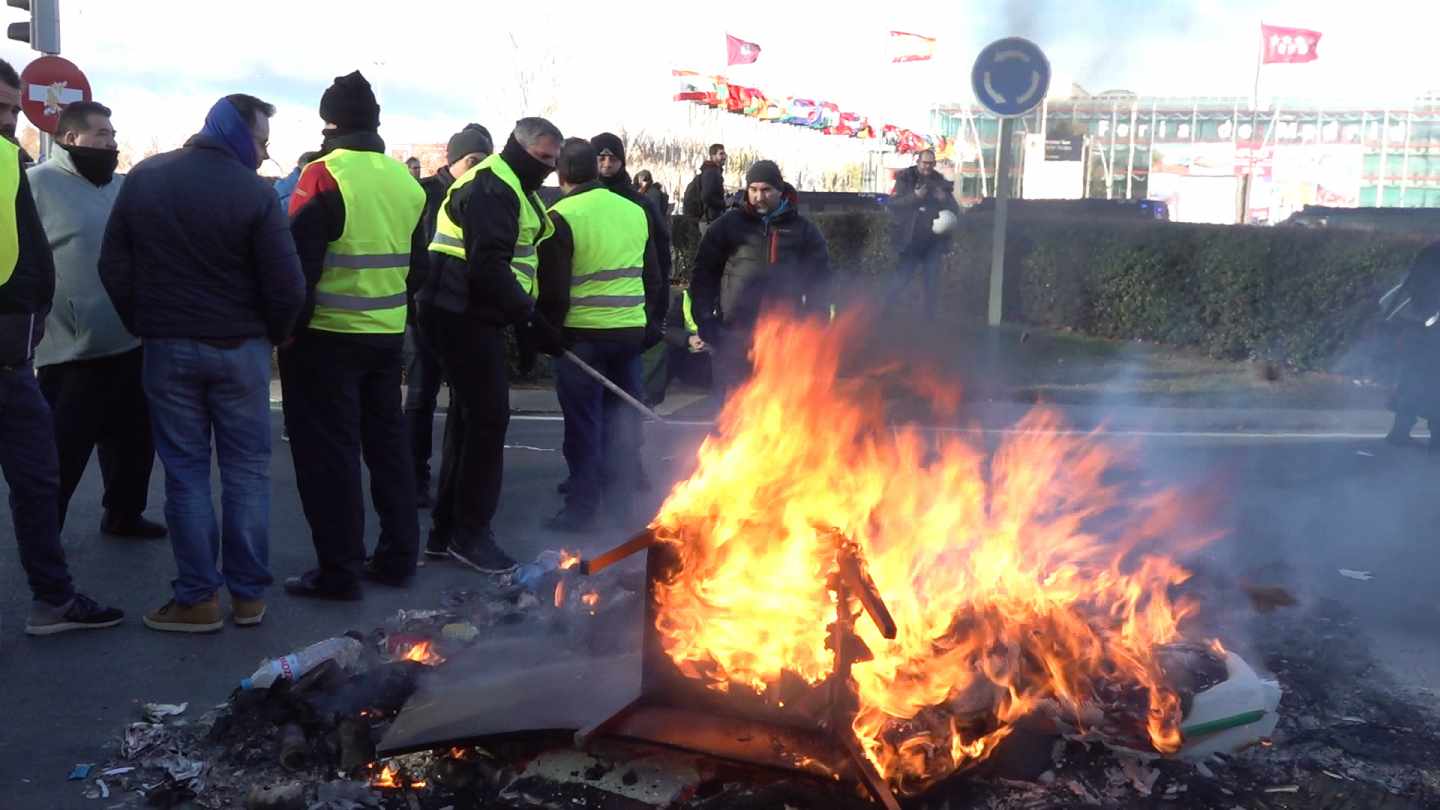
x=482 y=277
x=600 y=277
x=357 y=219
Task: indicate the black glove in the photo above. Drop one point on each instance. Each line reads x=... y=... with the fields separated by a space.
x=546 y=337
x=711 y=331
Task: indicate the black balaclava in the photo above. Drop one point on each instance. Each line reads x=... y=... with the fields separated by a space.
x=95 y=165
x=531 y=172
x=610 y=142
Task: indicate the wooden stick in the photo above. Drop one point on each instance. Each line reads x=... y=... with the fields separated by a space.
x=636 y=544
x=860 y=583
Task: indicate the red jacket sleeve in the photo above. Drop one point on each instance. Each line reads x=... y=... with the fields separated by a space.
x=314 y=180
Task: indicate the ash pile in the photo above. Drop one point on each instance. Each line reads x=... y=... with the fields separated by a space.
x=1342 y=736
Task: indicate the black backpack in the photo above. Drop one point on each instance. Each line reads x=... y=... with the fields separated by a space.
x=692 y=205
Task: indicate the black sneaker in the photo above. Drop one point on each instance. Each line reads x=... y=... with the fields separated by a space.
x=375 y=571
x=484 y=556
x=438 y=546
x=132 y=526
x=310 y=586
x=572 y=522
x=80 y=613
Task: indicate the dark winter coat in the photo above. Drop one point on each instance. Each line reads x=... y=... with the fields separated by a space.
x=747 y=261
x=712 y=190
x=912 y=217
x=197 y=247
x=25 y=297
x=621 y=184
x=436 y=185
x=660 y=201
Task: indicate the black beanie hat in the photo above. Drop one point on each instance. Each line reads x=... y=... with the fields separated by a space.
x=764 y=171
x=473 y=138
x=349 y=103
x=609 y=142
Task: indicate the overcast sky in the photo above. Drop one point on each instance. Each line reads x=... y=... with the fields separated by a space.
x=439 y=63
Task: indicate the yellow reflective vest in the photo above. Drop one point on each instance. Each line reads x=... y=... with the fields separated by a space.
x=535 y=225
x=607 y=284
x=362 y=283
x=9 y=190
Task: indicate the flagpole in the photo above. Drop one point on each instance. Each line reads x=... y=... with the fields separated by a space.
x=1254 y=123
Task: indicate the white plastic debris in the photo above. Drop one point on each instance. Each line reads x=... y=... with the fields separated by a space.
x=157 y=712
x=1231 y=715
x=1363 y=576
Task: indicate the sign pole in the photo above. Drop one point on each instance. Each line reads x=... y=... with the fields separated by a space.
x=1002 y=211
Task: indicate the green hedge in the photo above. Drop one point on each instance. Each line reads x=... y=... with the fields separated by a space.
x=1303 y=297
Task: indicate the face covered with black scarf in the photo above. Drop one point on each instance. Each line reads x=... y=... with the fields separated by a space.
x=93 y=149
x=532 y=165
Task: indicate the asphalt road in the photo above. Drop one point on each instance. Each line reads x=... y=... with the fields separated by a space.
x=1292 y=510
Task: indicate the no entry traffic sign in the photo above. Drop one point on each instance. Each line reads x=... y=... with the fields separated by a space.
x=46 y=86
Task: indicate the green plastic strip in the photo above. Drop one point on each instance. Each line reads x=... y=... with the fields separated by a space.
x=1234 y=721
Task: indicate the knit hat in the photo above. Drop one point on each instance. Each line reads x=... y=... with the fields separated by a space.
x=349 y=103
x=764 y=171
x=473 y=138
x=609 y=142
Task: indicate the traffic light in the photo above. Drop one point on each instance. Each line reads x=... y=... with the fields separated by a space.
x=43 y=29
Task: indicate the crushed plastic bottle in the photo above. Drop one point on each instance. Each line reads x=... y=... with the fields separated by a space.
x=1231 y=715
x=531 y=573
x=344 y=650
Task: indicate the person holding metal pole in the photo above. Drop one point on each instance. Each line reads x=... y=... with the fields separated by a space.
x=601 y=279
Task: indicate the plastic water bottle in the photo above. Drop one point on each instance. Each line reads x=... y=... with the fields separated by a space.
x=531 y=573
x=344 y=650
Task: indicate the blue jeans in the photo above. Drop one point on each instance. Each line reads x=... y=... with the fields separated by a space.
x=31 y=467
x=924 y=263
x=602 y=433
x=194 y=389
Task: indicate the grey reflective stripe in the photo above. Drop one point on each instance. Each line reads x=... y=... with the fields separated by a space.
x=523 y=269
x=358 y=302
x=608 y=301
x=608 y=275
x=524 y=250
x=372 y=261
x=447 y=241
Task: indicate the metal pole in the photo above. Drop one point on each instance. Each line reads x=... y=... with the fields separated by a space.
x=1130 y=164
x=612 y=387
x=1384 y=160
x=1405 y=154
x=997 y=247
x=1110 y=151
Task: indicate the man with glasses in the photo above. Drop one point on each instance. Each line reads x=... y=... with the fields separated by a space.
x=200 y=266
x=920 y=194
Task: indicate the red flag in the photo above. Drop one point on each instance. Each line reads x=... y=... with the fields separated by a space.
x=740 y=52
x=910 y=47
x=1289 y=45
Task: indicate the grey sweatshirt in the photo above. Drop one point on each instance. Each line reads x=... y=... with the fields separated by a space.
x=82 y=324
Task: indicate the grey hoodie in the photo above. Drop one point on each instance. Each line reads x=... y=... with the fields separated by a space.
x=82 y=324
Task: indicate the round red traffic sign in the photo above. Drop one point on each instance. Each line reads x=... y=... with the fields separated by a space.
x=46 y=86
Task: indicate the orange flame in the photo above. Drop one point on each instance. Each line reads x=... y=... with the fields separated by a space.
x=388 y=778
x=560 y=593
x=590 y=600
x=568 y=559
x=1020 y=580
x=423 y=653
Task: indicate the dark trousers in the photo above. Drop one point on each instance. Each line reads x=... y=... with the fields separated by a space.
x=472 y=356
x=922 y=262
x=101 y=402
x=32 y=471
x=342 y=403
x=602 y=433
x=422 y=392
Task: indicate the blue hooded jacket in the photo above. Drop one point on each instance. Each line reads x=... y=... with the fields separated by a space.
x=226 y=127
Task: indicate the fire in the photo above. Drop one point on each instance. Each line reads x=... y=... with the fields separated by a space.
x=560 y=593
x=590 y=600
x=423 y=653
x=388 y=778
x=568 y=559
x=1020 y=580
